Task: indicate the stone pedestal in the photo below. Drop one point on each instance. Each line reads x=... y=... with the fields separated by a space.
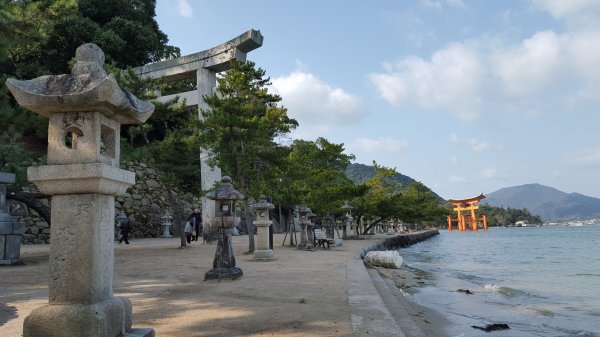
x=303 y=235
x=262 y=251
x=81 y=253
x=224 y=266
x=310 y=237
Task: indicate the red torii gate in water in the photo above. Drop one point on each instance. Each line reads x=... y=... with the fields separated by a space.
x=462 y=220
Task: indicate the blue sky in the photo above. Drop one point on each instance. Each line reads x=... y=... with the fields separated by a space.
x=465 y=96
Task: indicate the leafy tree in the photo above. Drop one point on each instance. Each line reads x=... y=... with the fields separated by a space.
x=500 y=216
x=241 y=127
x=39 y=37
x=387 y=199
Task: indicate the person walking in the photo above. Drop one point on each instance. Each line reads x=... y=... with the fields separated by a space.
x=188 y=229
x=125 y=226
x=195 y=220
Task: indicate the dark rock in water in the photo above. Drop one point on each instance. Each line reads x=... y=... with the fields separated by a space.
x=466 y=291
x=492 y=327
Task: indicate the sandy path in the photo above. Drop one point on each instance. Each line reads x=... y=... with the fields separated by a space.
x=302 y=293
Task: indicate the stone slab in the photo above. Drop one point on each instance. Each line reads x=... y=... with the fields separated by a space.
x=108 y=318
x=140 y=332
x=82 y=248
x=80 y=179
x=264 y=255
x=12 y=247
x=216 y=58
x=6 y=227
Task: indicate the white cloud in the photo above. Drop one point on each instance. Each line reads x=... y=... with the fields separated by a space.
x=314 y=103
x=452 y=78
x=185 y=9
x=567 y=9
x=439 y=4
x=587 y=157
x=476 y=145
x=479 y=146
x=388 y=146
x=530 y=67
x=456 y=3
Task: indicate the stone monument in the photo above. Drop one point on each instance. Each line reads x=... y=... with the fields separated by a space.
x=262 y=223
x=10 y=230
x=86 y=109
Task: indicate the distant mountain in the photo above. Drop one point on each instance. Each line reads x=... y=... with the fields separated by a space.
x=359 y=173
x=547 y=202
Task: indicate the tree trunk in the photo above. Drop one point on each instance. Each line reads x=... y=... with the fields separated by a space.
x=366 y=231
x=178 y=214
x=32 y=201
x=249 y=226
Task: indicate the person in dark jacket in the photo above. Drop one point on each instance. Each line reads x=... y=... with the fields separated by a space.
x=125 y=228
x=195 y=219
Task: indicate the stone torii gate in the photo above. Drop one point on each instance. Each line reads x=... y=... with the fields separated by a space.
x=203 y=66
x=469 y=206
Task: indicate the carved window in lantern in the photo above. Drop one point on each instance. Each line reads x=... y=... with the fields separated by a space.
x=108 y=139
x=226 y=208
x=71 y=137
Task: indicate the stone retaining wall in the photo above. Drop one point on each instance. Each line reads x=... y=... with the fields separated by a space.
x=145 y=202
x=399 y=241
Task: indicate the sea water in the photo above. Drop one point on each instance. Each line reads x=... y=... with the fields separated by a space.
x=541 y=281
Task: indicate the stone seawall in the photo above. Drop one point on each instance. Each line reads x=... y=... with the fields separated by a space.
x=399 y=241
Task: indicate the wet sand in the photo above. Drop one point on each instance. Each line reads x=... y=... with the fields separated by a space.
x=302 y=293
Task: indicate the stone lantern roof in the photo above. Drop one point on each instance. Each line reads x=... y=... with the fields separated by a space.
x=87 y=88
x=225 y=191
x=262 y=204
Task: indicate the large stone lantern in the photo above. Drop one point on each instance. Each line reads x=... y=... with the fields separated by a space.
x=86 y=110
x=348 y=221
x=225 y=197
x=262 y=223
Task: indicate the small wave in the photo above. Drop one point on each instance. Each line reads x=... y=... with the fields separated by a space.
x=587 y=274
x=541 y=311
x=504 y=291
x=491 y=287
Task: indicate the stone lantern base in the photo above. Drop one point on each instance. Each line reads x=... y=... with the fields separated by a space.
x=108 y=318
x=223 y=273
x=264 y=255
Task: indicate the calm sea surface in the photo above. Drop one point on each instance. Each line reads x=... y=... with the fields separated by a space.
x=541 y=281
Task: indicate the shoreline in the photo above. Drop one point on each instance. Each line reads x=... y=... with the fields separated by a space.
x=402 y=283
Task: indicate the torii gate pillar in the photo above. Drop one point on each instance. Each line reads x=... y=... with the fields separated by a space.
x=204 y=66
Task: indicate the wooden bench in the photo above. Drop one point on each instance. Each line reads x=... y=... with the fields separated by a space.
x=321 y=239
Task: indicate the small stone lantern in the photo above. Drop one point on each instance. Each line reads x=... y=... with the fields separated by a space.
x=167 y=218
x=262 y=223
x=225 y=197
x=348 y=221
x=329 y=225
x=310 y=234
x=10 y=230
x=303 y=220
